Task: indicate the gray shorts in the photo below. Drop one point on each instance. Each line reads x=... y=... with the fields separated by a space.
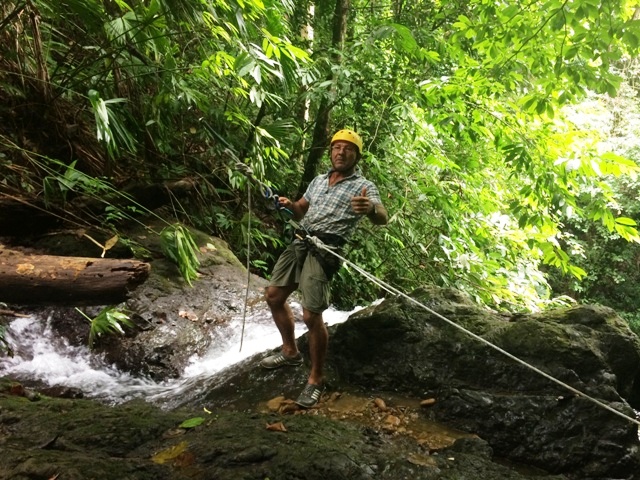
x=296 y=266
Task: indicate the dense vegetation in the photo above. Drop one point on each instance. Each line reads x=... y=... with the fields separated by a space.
x=464 y=106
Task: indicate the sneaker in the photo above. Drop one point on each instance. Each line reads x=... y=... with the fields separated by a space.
x=310 y=395
x=280 y=360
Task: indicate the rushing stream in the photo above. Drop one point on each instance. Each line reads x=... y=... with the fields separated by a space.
x=41 y=357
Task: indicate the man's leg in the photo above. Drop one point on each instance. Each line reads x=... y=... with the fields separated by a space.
x=318 y=343
x=276 y=298
x=314 y=286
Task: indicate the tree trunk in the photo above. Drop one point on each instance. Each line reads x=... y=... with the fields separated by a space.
x=19 y=217
x=305 y=15
x=53 y=280
x=321 y=128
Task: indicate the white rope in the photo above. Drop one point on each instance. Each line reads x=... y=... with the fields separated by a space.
x=318 y=243
x=246 y=293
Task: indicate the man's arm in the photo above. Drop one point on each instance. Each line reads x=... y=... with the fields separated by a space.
x=363 y=205
x=378 y=214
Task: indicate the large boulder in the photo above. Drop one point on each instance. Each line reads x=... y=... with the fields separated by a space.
x=523 y=415
x=173 y=320
x=176 y=320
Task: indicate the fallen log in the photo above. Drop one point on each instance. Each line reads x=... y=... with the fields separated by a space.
x=27 y=279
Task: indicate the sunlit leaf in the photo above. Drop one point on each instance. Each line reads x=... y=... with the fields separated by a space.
x=170 y=453
x=276 y=427
x=192 y=422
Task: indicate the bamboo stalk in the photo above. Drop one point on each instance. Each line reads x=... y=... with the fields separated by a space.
x=41 y=64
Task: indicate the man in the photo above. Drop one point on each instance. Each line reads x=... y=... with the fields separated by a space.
x=330 y=209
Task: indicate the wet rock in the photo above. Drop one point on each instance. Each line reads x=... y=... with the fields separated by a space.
x=522 y=414
x=128 y=441
x=501 y=417
x=472 y=445
x=173 y=320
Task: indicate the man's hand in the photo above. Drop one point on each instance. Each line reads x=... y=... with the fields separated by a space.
x=284 y=202
x=298 y=208
x=361 y=204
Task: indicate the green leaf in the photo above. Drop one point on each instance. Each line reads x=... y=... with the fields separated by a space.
x=577 y=272
x=626 y=221
x=192 y=422
x=630 y=39
x=178 y=245
x=408 y=42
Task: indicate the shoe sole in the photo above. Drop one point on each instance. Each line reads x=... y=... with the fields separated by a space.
x=288 y=363
x=314 y=404
x=273 y=367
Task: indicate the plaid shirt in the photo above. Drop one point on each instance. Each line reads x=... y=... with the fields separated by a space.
x=330 y=206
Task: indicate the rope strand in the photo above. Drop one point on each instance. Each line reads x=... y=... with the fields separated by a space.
x=317 y=242
x=246 y=170
x=246 y=292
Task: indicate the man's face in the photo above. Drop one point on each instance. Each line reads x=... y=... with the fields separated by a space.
x=344 y=155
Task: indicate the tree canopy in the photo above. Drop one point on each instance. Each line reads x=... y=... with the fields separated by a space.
x=462 y=106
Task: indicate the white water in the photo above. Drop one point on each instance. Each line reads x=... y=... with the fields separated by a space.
x=43 y=357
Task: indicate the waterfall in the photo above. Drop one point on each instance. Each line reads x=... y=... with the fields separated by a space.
x=41 y=357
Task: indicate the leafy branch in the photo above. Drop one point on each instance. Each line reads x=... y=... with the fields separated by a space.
x=109 y=321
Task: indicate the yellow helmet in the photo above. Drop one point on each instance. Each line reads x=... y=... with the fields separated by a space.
x=349 y=136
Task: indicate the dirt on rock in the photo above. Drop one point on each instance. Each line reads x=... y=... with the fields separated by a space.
x=345 y=437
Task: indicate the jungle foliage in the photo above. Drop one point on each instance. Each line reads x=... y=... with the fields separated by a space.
x=462 y=106
x=610 y=261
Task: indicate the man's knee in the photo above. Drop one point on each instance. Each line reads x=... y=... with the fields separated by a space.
x=311 y=319
x=276 y=296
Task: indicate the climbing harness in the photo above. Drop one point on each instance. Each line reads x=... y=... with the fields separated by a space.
x=329 y=264
x=318 y=244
